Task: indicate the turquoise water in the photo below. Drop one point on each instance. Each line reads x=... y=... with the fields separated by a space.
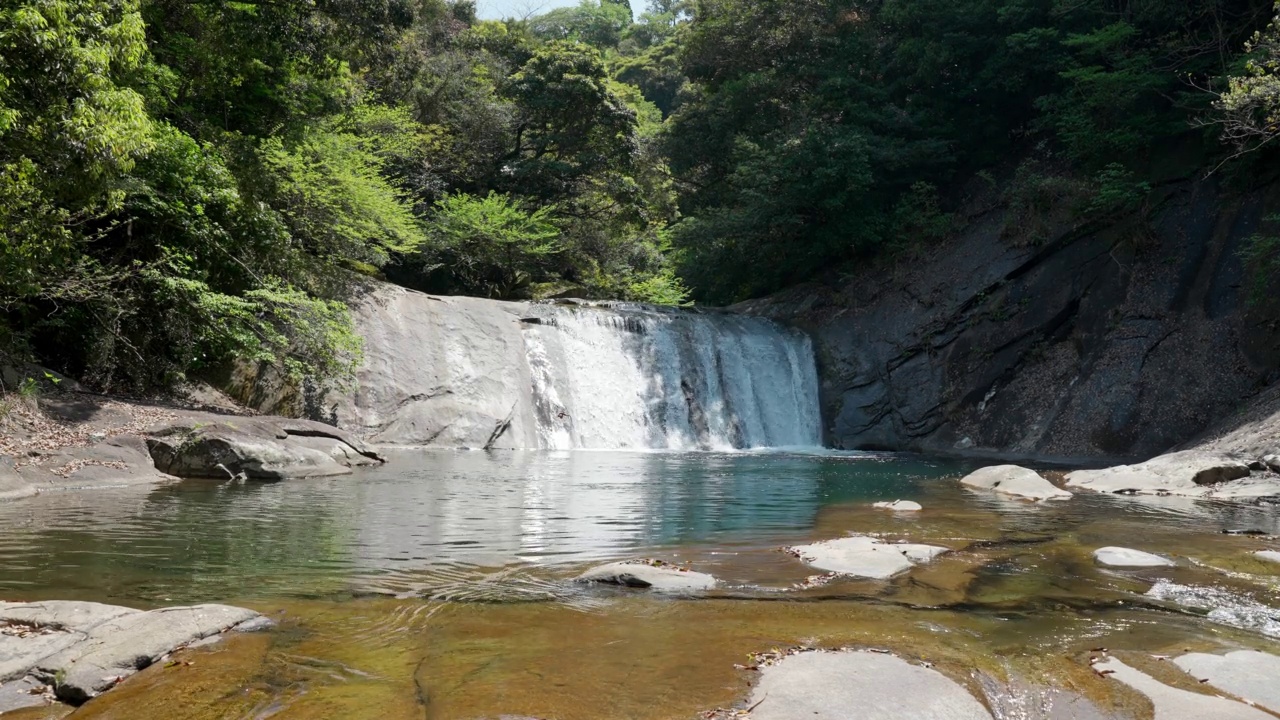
x=450 y=571
x=450 y=511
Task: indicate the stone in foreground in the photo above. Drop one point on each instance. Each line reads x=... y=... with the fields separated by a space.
x=1014 y=480
x=649 y=575
x=1247 y=674
x=899 y=506
x=1268 y=555
x=83 y=649
x=862 y=685
x=1192 y=473
x=1128 y=557
x=867 y=557
x=1175 y=704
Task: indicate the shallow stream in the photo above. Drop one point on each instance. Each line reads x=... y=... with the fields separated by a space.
x=439 y=586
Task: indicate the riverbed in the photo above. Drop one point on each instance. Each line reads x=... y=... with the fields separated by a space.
x=440 y=585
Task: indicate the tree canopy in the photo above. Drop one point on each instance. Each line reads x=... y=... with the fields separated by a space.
x=185 y=183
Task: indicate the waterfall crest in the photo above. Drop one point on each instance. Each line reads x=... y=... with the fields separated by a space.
x=623 y=375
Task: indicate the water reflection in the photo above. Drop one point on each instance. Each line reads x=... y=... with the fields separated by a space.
x=203 y=541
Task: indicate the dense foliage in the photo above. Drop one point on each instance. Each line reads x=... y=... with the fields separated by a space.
x=817 y=129
x=187 y=182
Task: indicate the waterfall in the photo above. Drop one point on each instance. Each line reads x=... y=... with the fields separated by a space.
x=623 y=375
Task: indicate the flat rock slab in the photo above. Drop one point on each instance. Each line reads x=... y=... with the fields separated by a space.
x=862 y=685
x=641 y=574
x=1128 y=557
x=1016 y=481
x=1175 y=704
x=12 y=485
x=83 y=649
x=1247 y=674
x=863 y=556
x=113 y=462
x=1191 y=473
x=899 y=506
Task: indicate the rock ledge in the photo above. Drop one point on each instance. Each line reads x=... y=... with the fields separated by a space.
x=82 y=649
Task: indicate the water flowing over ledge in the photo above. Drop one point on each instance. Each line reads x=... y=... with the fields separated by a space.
x=630 y=376
x=468 y=372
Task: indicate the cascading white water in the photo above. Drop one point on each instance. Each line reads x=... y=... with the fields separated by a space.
x=620 y=375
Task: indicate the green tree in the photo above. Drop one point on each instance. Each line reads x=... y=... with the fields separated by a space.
x=599 y=23
x=1249 y=110
x=490 y=245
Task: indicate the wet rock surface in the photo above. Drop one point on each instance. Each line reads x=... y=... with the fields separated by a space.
x=1014 y=480
x=866 y=557
x=863 y=685
x=648 y=575
x=82 y=649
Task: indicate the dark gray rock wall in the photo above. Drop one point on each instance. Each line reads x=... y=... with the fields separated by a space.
x=1115 y=340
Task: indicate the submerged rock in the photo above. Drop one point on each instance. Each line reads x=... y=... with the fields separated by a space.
x=649 y=575
x=1014 y=480
x=900 y=506
x=868 y=557
x=1220 y=605
x=863 y=685
x=1128 y=557
x=1193 y=473
x=1247 y=674
x=1175 y=704
x=83 y=649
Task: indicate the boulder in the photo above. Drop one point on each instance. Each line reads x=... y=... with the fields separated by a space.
x=1014 y=480
x=1268 y=555
x=1127 y=557
x=862 y=685
x=221 y=450
x=83 y=649
x=1190 y=472
x=1272 y=462
x=649 y=575
x=867 y=557
x=1247 y=674
x=899 y=506
x=1175 y=704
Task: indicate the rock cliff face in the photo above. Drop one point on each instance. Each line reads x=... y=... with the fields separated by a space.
x=448 y=372
x=475 y=373
x=1112 y=341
